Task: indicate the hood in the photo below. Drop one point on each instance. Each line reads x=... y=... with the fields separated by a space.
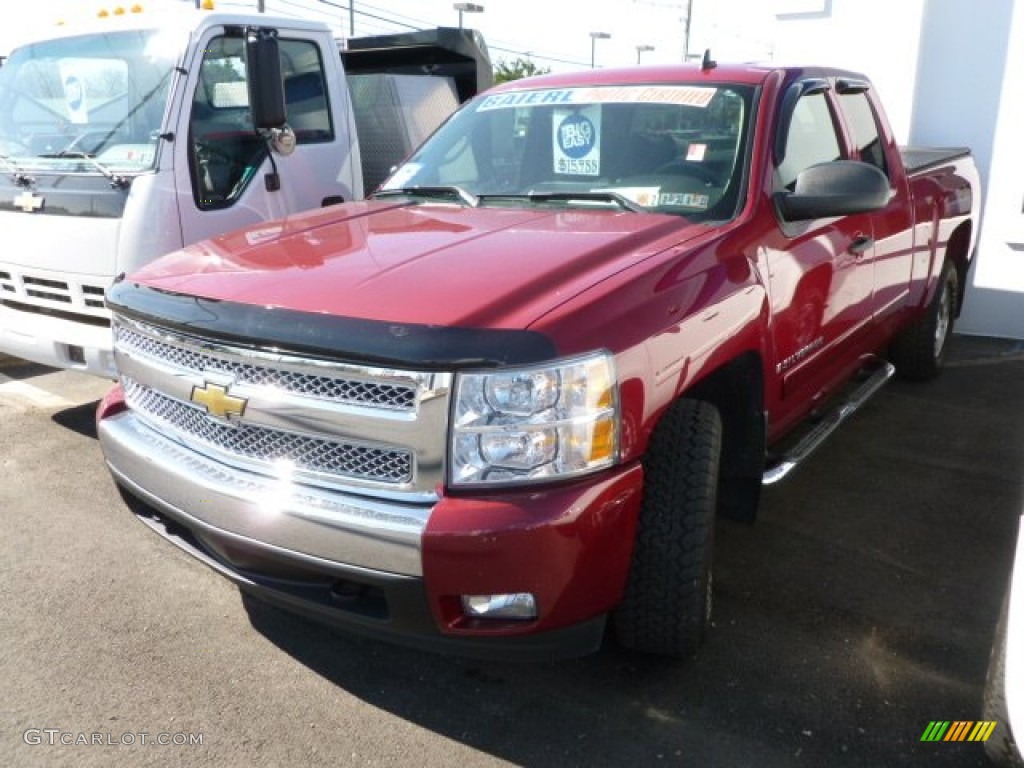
x=426 y=264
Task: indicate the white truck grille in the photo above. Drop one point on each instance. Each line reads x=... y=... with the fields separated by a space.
x=44 y=290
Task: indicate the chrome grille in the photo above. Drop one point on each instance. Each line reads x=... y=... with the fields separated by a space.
x=342 y=390
x=261 y=444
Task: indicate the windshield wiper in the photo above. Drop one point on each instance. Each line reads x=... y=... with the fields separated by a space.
x=602 y=197
x=437 y=191
x=117 y=181
x=21 y=179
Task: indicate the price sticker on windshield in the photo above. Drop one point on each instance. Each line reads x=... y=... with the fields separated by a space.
x=576 y=142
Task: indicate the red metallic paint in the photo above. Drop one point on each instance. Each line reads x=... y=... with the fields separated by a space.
x=111 y=404
x=674 y=301
x=382 y=262
x=569 y=545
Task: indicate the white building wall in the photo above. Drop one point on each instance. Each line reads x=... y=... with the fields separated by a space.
x=951 y=73
x=995 y=297
x=879 y=38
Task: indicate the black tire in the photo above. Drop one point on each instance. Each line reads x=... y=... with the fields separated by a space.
x=1000 y=747
x=667 y=605
x=919 y=351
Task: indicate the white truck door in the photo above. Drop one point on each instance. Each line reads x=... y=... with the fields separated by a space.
x=225 y=175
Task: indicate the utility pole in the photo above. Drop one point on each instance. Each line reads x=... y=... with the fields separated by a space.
x=678 y=5
x=686 y=38
x=351 y=14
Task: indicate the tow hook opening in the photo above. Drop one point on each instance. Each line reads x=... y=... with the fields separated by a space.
x=360 y=598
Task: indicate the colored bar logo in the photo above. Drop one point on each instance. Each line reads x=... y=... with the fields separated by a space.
x=958 y=730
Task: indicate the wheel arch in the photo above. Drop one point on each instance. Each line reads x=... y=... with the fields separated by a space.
x=736 y=390
x=959 y=254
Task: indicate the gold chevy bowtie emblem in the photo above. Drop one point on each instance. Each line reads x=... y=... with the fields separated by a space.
x=28 y=201
x=218 y=402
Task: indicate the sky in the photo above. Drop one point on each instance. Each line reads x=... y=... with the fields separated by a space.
x=554 y=34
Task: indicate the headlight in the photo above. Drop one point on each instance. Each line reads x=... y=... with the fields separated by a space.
x=523 y=424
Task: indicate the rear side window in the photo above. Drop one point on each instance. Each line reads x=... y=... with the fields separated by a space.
x=864 y=127
x=812 y=139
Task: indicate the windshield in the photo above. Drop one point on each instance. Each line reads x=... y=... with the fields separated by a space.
x=666 y=148
x=77 y=104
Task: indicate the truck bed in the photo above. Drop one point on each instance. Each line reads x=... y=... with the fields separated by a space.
x=917 y=159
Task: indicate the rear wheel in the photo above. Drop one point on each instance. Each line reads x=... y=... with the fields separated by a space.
x=667 y=604
x=919 y=351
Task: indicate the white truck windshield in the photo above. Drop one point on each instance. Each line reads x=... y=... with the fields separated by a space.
x=82 y=104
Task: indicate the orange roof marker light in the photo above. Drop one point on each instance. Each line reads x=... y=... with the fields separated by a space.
x=118 y=10
x=207 y=5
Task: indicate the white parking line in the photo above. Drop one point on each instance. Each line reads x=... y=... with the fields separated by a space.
x=34 y=395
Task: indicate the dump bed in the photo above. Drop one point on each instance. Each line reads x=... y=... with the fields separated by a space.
x=404 y=86
x=459 y=54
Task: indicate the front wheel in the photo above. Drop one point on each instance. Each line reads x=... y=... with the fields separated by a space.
x=667 y=604
x=919 y=351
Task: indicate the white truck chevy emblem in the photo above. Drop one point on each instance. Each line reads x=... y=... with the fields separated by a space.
x=29 y=201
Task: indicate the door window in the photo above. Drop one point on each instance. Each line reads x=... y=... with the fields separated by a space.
x=812 y=139
x=225 y=149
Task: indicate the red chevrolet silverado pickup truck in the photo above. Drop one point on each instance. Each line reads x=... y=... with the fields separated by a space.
x=496 y=408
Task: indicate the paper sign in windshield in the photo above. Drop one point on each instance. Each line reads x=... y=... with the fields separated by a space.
x=685 y=200
x=683 y=95
x=695 y=153
x=645 y=196
x=576 y=138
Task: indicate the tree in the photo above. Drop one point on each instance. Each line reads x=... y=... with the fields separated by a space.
x=519 y=68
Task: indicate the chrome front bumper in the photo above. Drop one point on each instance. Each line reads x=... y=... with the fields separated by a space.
x=273 y=515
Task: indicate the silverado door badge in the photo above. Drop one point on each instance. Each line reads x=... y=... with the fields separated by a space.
x=29 y=201
x=218 y=403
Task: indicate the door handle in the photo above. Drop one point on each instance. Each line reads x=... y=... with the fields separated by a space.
x=861 y=244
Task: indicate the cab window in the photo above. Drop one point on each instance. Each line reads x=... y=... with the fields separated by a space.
x=225 y=149
x=812 y=139
x=864 y=128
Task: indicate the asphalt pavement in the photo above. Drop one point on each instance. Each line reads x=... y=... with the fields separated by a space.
x=858 y=608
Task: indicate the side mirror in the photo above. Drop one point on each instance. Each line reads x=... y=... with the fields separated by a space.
x=838 y=188
x=266 y=87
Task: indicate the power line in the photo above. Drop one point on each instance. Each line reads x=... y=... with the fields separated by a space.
x=373 y=22
x=535 y=55
x=366 y=14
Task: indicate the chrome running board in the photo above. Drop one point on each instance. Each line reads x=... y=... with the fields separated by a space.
x=824 y=424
